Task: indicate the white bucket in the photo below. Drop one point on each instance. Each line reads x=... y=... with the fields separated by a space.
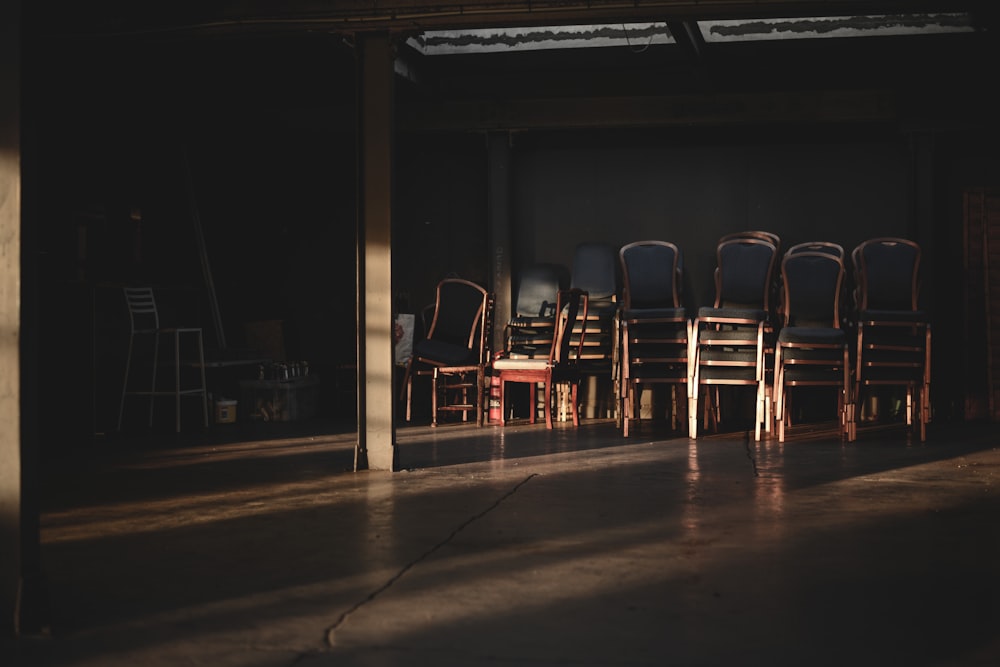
x=225 y=412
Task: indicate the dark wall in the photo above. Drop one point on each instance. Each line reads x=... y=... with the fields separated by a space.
x=439 y=214
x=254 y=140
x=693 y=188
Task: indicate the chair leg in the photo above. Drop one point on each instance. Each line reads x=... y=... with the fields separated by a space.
x=152 y=388
x=128 y=365
x=480 y=394
x=758 y=411
x=177 y=380
x=716 y=408
x=909 y=406
x=204 y=384
x=768 y=410
x=574 y=393
x=434 y=397
x=503 y=404
x=626 y=412
x=548 y=404
x=533 y=402
x=693 y=412
x=407 y=387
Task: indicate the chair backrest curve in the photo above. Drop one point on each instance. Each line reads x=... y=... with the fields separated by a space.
x=572 y=305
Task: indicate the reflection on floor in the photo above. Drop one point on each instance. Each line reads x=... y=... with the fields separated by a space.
x=522 y=546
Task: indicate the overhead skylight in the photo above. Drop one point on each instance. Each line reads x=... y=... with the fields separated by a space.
x=834 y=26
x=493 y=40
x=639 y=36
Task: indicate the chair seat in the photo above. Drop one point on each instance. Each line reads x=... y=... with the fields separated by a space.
x=831 y=355
x=728 y=374
x=717 y=356
x=522 y=364
x=745 y=314
x=444 y=353
x=643 y=337
x=658 y=371
x=744 y=336
x=528 y=351
x=523 y=337
x=893 y=375
x=598 y=310
x=822 y=375
x=815 y=335
x=669 y=314
x=528 y=322
x=901 y=316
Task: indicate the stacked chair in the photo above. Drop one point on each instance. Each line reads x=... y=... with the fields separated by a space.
x=530 y=331
x=455 y=352
x=733 y=337
x=654 y=328
x=595 y=271
x=561 y=365
x=893 y=334
x=812 y=348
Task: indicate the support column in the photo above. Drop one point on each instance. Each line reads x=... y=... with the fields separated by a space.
x=10 y=317
x=500 y=233
x=376 y=406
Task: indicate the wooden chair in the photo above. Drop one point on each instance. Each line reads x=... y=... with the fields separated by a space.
x=595 y=271
x=733 y=335
x=455 y=351
x=561 y=366
x=530 y=331
x=893 y=333
x=812 y=349
x=654 y=327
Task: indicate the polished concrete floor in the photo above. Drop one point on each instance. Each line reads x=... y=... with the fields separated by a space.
x=520 y=546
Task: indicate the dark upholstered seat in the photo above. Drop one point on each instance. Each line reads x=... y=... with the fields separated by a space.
x=655 y=330
x=734 y=334
x=455 y=351
x=559 y=366
x=812 y=349
x=893 y=333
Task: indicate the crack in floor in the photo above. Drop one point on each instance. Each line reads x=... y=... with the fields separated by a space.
x=409 y=566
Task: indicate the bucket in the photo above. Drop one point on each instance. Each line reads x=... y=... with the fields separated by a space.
x=494 y=403
x=225 y=412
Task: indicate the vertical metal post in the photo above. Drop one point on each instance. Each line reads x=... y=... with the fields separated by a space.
x=500 y=233
x=376 y=408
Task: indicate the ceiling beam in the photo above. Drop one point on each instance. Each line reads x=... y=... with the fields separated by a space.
x=122 y=17
x=661 y=111
x=689 y=37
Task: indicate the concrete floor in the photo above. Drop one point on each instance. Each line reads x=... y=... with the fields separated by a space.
x=520 y=546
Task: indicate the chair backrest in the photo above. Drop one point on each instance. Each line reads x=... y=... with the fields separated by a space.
x=571 y=305
x=887 y=274
x=536 y=293
x=755 y=234
x=745 y=272
x=142 y=312
x=460 y=311
x=812 y=283
x=650 y=274
x=828 y=247
x=595 y=270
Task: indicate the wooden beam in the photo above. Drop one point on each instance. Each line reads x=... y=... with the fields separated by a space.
x=376 y=402
x=666 y=111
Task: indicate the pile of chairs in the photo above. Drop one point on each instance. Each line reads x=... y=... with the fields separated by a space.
x=782 y=323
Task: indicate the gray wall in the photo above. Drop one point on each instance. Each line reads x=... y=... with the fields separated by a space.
x=693 y=194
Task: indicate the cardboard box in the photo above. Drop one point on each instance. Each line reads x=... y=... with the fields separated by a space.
x=279 y=400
